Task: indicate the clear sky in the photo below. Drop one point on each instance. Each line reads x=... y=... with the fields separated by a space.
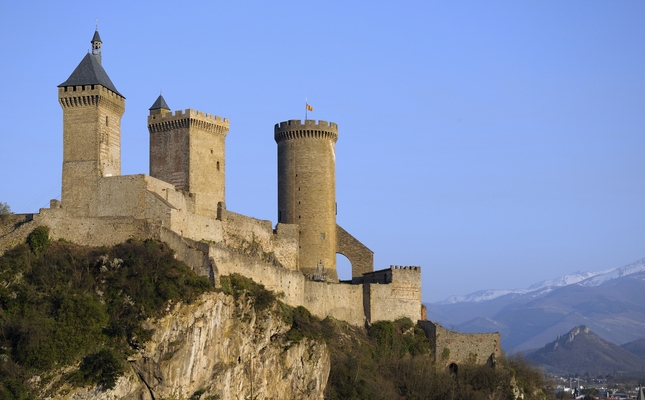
x=493 y=143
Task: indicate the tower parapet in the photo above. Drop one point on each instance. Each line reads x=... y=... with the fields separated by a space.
x=187 y=149
x=294 y=129
x=307 y=191
x=166 y=121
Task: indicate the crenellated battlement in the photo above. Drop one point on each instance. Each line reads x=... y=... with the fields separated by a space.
x=296 y=129
x=188 y=118
x=90 y=95
x=410 y=267
x=77 y=90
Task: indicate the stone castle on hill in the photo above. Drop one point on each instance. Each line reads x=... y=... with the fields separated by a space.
x=182 y=202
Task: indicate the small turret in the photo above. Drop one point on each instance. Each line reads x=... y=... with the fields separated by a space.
x=96 y=45
x=160 y=106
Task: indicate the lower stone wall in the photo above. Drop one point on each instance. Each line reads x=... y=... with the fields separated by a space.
x=14 y=230
x=386 y=304
x=322 y=299
x=394 y=293
x=86 y=231
x=192 y=253
x=240 y=231
x=338 y=300
x=459 y=348
x=227 y=261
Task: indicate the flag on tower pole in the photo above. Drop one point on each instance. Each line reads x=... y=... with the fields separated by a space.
x=307 y=108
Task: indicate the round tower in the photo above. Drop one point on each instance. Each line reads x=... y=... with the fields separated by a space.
x=307 y=191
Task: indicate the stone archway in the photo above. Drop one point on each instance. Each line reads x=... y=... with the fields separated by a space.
x=343 y=267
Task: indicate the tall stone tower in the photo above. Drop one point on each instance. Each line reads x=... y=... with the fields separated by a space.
x=187 y=149
x=92 y=110
x=307 y=191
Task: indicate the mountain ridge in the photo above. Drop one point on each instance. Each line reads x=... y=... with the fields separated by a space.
x=589 y=279
x=581 y=351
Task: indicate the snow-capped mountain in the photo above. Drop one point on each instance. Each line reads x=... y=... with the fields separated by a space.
x=588 y=279
x=609 y=302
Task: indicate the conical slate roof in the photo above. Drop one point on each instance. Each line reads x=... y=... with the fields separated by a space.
x=96 y=37
x=160 y=103
x=90 y=72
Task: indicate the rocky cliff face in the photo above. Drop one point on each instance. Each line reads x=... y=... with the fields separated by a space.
x=219 y=348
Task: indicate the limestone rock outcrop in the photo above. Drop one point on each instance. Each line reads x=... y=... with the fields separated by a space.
x=218 y=348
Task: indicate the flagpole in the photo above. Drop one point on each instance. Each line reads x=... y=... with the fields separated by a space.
x=306 y=108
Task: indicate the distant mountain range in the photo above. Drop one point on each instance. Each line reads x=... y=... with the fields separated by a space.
x=610 y=302
x=581 y=351
x=588 y=279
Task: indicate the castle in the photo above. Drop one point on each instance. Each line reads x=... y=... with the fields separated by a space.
x=182 y=202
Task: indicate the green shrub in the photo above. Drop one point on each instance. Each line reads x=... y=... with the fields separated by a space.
x=102 y=368
x=38 y=240
x=237 y=285
x=5 y=211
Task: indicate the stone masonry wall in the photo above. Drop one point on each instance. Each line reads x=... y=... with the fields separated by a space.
x=399 y=298
x=240 y=231
x=458 y=348
x=359 y=255
x=322 y=299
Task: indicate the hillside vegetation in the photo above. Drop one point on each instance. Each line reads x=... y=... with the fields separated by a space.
x=61 y=303
x=64 y=305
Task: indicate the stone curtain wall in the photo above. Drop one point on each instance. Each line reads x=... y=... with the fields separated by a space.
x=139 y=206
x=399 y=298
x=458 y=348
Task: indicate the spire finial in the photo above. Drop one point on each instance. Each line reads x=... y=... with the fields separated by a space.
x=97 y=24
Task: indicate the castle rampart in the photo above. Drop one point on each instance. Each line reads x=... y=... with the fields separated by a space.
x=393 y=293
x=459 y=348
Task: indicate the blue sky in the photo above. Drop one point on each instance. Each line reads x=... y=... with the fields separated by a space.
x=496 y=144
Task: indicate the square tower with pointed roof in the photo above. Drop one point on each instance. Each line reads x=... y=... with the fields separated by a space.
x=92 y=111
